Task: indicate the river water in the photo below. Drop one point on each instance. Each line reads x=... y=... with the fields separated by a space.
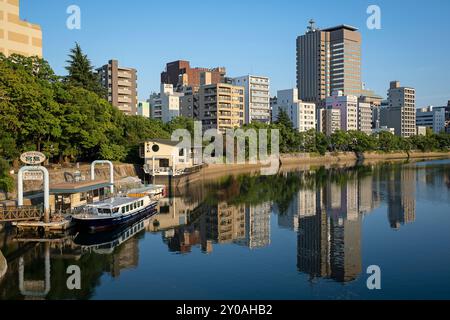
x=298 y=235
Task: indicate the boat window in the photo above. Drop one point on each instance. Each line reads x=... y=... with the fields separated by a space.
x=142 y=203
x=116 y=210
x=128 y=208
x=123 y=209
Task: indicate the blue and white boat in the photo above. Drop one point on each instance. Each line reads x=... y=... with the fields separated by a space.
x=113 y=213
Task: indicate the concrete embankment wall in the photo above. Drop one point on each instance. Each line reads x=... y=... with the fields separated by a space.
x=338 y=157
x=3 y=266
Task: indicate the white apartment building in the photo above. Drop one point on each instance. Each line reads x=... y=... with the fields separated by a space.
x=348 y=107
x=302 y=114
x=432 y=118
x=165 y=106
x=257 y=97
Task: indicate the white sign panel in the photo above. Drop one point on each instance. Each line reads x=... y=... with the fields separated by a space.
x=32 y=158
x=33 y=176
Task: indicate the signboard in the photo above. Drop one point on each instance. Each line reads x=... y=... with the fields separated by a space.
x=33 y=176
x=32 y=158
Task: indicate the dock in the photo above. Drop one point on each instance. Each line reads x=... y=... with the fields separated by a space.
x=40 y=226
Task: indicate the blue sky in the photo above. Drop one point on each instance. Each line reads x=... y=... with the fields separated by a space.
x=251 y=37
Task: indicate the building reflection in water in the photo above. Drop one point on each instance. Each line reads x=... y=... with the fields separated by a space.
x=329 y=242
x=401 y=196
x=223 y=223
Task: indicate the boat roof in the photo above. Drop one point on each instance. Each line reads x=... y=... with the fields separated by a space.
x=114 y=202
x=146 y=189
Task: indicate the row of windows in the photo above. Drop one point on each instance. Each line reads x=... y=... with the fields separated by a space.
x=133 y=206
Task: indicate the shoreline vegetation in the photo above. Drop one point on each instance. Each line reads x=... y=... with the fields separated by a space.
x=69 y=119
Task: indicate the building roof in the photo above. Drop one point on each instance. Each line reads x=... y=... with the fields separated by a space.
x=164 y=141
x=342 y=26
x=77 y=187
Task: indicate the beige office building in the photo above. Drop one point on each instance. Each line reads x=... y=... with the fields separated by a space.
x=400 y=113
x=18 y=36
x=221 y=106
x=121 y=84
x=328 y=60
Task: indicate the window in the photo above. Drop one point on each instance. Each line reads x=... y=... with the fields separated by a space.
x=155 y=148
x=123 y=209
x=181 y=153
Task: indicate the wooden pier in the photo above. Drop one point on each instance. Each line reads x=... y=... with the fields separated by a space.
x=31 y=218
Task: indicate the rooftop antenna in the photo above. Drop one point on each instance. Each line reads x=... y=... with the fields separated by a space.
x=312 y=26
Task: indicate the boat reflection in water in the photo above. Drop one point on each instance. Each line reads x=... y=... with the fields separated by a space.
x=106 y=242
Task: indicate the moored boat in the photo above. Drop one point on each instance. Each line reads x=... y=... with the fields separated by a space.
x=114 y=212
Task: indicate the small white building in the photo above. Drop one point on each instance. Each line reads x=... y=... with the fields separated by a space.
x=143 y=109
x=164 y=157
x=257 y=97
x=421 y=130
x=165 y=106
x=302 y=114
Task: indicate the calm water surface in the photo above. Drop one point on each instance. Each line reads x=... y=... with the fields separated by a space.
x=298 y=235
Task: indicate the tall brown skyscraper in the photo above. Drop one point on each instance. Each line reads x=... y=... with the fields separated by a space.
x=121 y=84
x=328 y=60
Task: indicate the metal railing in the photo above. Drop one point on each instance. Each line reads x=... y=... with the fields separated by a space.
x=24 y=213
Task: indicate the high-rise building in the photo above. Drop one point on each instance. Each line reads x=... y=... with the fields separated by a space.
x=179 y=73
x=328 y=60
x=221 y=106
x=165 y=106
x=432 y=118
x=302 y=114
x=348 y=107
x=257 y=97
x=18 y=36
x=400 y=112
x=121 y=84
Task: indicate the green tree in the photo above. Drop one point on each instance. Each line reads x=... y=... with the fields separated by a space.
x=81 y=72
x=6 y=181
